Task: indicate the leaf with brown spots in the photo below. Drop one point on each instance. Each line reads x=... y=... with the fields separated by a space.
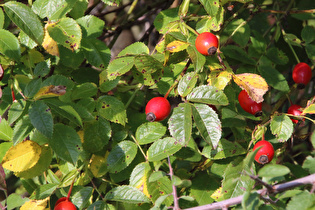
x=253 y=84
x=176 y=46
x=49 y=44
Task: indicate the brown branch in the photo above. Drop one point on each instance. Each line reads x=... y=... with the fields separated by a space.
x=176 y=204
x=276 y=189
x=289 y=12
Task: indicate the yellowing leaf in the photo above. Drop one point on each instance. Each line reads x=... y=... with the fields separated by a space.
x=49 y=44
x=22 y=156
x=309 y=110
x=219 y=79
x=35 y=204
x=217 y=194
x=81 y=134
x=176 y=46
x=143 y=186
x=254 y=84
x=50 y=91
x=98 y=165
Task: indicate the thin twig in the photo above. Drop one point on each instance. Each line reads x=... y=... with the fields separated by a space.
x=176 y=205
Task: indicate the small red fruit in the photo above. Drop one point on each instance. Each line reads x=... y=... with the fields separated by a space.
x=157 y=109
x=294 y=109
x=265 y=153
x=60 y=200
x=65 y=205
x=248 y=104
x=207 y=43
x=302 y=74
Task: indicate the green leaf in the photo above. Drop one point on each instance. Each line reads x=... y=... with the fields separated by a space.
x=96 y=135
x=149 y=132
x=166 y=19
x=282 y=127
x=41 y=118
x=32 y=87
x=16 y=110
x=42 y=68
x=225 y=149
x=208 y=95
x=66 y=32
x=64 y=110
x=308 y=164
x=69 y=58
x=6 y=131
x=187 y=83
x=230 y=118
x=25 y=19
x=15 y=200
x=53 y=9
x=163 y=148
x=147 y=64
x=140 y=175
x=108 y=85
x=26 y=40
x=82 y=197
x=96 y=52
x=211 y=6
x=211 y=24
x=238 y=54
x=135 y=49
x=22 y=129
x=121 y=156
x=273 y=170
x=196 y=57
x=66 y=143
x=292 y=39
x=119 y=66
x=1 y=18
x=310 y=51
x=91 y=26
x=161 y=188
x=239 y=31
x=9 y=45
x=127 y=194
x=302 y=201
x=208 y=124
x=180 y=123
x=307 y=34
x=273 y=77
x=111 y=109
x=277 y=56
x=44 y=191
x=235 y=179
x=84 y=90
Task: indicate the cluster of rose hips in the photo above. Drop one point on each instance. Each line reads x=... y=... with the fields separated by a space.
x=159 y=108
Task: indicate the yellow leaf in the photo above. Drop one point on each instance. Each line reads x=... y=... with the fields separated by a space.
x=217 y=194
x=176 y=46
x=35 y=204
x=81 y=135
x=253 y=84
x=219 y=79
x=50 y=91
x=49 y=44
x=98 y=165
x=22 y=156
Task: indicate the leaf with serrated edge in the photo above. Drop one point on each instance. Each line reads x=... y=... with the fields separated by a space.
x=121 y=156
x=6 y=131
x=208 y=124
x=35 y=204
x=162 y=148
x=180 y=123
x=25 y=19
x=282 y=127
x=112 y=109
x=41 y=118
x=149 y=132
x=139 y=177
x=9 y=45
x=127 y=194
x=254 y=84
x=187 y=83
x=208 y=95
x=22 y=156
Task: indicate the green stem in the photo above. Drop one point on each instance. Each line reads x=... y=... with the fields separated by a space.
x=133 y=96
x=135 y=140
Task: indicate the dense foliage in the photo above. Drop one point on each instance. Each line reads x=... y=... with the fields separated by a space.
x=76 y=76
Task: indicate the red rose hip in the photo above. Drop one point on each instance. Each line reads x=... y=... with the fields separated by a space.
x=157 y=109
x=265 y=153
x=65 y=205
x=207 y=43
x=248 y=104
x=302 y=74
x=294 y=109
